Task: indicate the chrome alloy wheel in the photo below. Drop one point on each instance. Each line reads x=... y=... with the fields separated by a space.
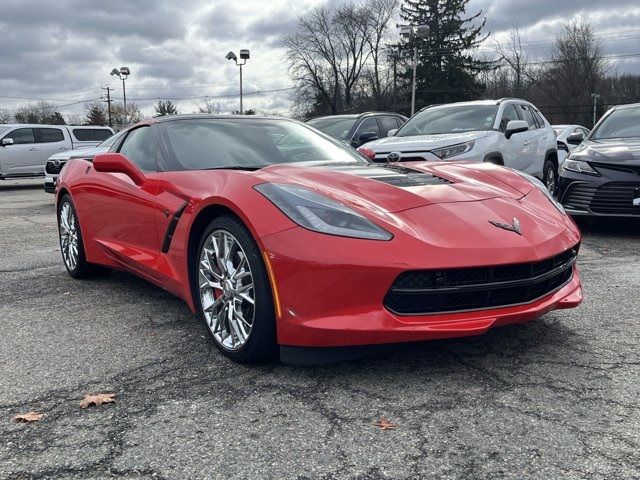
x=68 y=236
x=226 y=289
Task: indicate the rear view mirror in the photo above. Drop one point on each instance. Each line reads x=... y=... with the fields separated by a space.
x=575 y=138
x=392 y=132
x=516 y=126
x=7 y=141
x=118 y=163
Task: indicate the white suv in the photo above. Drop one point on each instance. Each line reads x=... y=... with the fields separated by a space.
x=509 y=132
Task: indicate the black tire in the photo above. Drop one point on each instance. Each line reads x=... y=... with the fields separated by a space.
x=261 y=343
x=494 y=160
x=82 y=268
x=550 y=177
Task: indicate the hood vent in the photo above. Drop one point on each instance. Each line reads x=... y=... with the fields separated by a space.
x=407 y=177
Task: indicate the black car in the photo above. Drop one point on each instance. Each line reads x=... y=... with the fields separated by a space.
x=358 y=129
x=601 y=177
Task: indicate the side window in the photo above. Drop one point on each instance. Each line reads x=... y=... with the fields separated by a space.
x=509 y=113
x=51 y=135
x=140 y=148
x=22 y=136
x=528 y=116
x=91 y=134
x=387 y=123
x=538 y=118
x=400 y=122
x=369 y=124
x=584 y=131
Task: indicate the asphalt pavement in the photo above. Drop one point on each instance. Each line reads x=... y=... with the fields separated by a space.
x=557 y=398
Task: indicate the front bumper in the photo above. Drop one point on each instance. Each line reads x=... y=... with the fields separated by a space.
x=612 y=194
x=331 y=290
x=50 y=183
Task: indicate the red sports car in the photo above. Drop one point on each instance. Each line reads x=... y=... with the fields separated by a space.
x=281 y=236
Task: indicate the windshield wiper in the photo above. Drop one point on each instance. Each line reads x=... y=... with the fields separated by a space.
x=237 y=167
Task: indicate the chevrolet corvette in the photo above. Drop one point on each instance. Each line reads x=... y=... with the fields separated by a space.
x=286 y=241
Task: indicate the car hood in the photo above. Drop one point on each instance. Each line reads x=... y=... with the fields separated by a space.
x=396 y=187
x=79 y=153
x=618 y=151
x=423 y=142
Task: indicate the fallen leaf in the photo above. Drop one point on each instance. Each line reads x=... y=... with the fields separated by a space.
x=385 y=424
x=28 y=417
x=97 y=399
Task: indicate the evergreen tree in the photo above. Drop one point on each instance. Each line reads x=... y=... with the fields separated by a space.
x=447 y=71
x=96 y=114
x=165 y=108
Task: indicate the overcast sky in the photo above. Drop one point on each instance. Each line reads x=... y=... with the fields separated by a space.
x=63 y=50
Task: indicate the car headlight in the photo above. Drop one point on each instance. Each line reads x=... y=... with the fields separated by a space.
x=541 y=186
x=453 y=150
x=316 y=212
x=579 y=166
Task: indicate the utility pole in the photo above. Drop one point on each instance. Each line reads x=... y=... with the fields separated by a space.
x=108 y=102
x=414 y=33
x=595 y=97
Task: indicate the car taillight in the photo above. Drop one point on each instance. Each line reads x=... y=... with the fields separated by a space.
x=367 y=152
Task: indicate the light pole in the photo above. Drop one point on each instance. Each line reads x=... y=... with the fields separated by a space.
x=414 y=32
x=122 y=74
x=595 y=97
x=244 y=56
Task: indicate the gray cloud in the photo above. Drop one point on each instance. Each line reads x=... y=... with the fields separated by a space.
x=64 y=49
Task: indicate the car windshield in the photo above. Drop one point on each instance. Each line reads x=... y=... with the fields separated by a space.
x=199 y=144
x=337 y=127
x=111 y=140
x=450 y=119
x=622 y=123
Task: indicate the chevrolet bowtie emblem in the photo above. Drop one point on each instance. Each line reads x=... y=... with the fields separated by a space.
x=515 y=227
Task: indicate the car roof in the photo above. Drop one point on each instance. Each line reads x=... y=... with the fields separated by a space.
x=41 y=125
x=356 y=115
x=628 y=105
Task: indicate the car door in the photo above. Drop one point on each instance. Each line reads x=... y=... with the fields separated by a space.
x=533 y=143
x=24 y=156
x=121 y=212
x=52 y=140
x=513 y=149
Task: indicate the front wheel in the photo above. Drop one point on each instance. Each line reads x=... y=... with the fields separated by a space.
x=551 y=177
x=234 y=293
x=71 y=243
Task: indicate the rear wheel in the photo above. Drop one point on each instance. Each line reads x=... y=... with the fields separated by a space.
x=234 y=293
x=71 y=243
x=494 y=160
x=551 y=177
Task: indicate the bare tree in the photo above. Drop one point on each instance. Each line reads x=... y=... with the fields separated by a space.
x=379 y=16
x=210 y=107
x=518 y=70
x=5 y=116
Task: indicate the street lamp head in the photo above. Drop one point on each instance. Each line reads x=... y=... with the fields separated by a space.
x=115 y=71
x=422 y=31
x=125 y=71
x=231 y=56
x=244 y=54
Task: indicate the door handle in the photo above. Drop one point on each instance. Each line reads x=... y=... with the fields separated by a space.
x=526 y=142
x=62 y=148
x=33 y=149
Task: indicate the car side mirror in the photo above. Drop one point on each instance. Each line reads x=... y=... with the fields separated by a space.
x=392 y=132
x=7 y=141
x=367 y=137
x=575 y=138
x=118 y=163
x=516 y=126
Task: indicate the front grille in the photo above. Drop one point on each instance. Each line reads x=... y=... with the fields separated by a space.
x=422 y=292
x=616 y=198
x=635 y=169
x=53 y=168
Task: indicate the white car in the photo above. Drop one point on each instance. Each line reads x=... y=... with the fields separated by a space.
x=569 y=137
x=509 y=132
x=56 y=162
x=24 y=149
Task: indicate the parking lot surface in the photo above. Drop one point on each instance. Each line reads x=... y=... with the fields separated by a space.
x=555 y=398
